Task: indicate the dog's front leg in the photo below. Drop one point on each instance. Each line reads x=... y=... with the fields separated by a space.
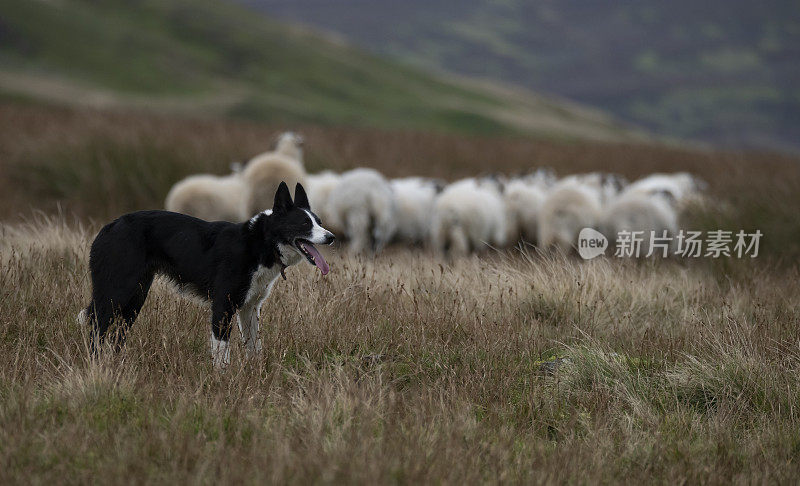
x=249 y=317
x=264 y=298
x=248 y=326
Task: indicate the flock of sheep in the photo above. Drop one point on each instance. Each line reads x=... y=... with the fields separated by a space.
x=465 y=216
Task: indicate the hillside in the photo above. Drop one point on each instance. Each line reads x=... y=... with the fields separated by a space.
x=219 y=58
x=721 y=71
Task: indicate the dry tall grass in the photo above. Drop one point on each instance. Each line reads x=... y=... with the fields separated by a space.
x=403 y=370
x=510 y=368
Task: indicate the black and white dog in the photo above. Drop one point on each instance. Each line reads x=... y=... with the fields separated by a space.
x=232 y=266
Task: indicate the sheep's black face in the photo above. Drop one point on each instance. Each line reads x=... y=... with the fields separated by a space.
x=438 y=185
x=296 y=227
x=616 y=181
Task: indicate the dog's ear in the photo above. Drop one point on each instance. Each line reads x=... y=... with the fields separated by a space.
x=283 y=200
x=300 y=198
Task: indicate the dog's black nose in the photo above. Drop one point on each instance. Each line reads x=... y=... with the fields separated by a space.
x=329 y=239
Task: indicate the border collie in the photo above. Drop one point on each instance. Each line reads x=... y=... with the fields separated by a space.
x=232 y=266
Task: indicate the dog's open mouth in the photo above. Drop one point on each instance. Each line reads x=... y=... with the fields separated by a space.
x=312 y=255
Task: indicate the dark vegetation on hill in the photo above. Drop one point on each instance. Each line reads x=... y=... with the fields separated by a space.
x=218 y=58
x=719 y=70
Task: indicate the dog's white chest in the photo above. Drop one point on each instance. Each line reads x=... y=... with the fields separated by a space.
x=260 y=282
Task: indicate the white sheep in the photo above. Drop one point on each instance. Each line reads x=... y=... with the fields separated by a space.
x=414 y=197
x=523 y=198
x=572 y=204
x=611 y=187
x=208 y=197
x=362 y=204
x=234 y=197
x=678 y=188
x=263 y=173
x=606 y=187
x=319 y=188
x=469 y=215
x=637 y=212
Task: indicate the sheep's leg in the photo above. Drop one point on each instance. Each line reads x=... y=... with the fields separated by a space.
x=501 y=235
x=459 y=242
x=545 y=235
x=383 y=229
x=357 y=229
x=437 y=237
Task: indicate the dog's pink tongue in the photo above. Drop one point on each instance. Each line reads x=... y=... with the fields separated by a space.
x=318 y=259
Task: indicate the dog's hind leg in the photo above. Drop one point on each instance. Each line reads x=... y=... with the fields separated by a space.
x=120 y=279
x=101 y=316
x=130 y=312
x=221 y=313
x=124 y=303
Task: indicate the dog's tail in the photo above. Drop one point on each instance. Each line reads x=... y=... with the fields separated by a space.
x=84 y=316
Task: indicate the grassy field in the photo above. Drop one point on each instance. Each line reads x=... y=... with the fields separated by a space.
x=402 y=369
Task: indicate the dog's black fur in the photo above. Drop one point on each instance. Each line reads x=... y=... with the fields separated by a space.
x=213 y=260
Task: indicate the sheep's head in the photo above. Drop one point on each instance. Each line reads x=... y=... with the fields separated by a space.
x=688 y=183
x=616 y=182
x=291 y=145
x=543 y=177
x=695 y=183
x=494 y=181
x=438 y=185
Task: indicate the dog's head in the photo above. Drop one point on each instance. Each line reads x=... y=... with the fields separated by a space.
x=296 y=229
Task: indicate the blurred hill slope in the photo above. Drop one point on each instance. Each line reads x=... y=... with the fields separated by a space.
x=725 y=71
x=220 y=58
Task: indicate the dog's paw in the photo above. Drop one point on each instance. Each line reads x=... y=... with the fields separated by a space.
x=253 y=348
x=220 y=353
